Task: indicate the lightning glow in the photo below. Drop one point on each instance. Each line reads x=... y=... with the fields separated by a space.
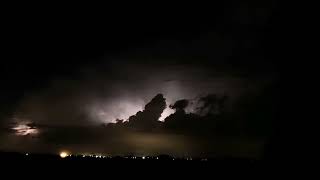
x=24 y=130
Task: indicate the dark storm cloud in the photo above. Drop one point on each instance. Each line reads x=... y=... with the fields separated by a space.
x=213 y=121
x=103 y=95
x=180 y=104
x=148 y=118
x=212 y=104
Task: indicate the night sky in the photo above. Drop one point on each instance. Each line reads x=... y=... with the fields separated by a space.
x=145 y=83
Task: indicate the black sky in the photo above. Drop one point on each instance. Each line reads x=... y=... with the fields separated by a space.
x=69 y=74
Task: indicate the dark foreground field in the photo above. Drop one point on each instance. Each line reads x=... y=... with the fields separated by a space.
x=161 y=165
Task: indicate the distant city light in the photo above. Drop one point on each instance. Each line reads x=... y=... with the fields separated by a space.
x=27 y=154
x=143 y=157
x=63 y=154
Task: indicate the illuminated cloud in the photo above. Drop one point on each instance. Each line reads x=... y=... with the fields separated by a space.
x=24 y=130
